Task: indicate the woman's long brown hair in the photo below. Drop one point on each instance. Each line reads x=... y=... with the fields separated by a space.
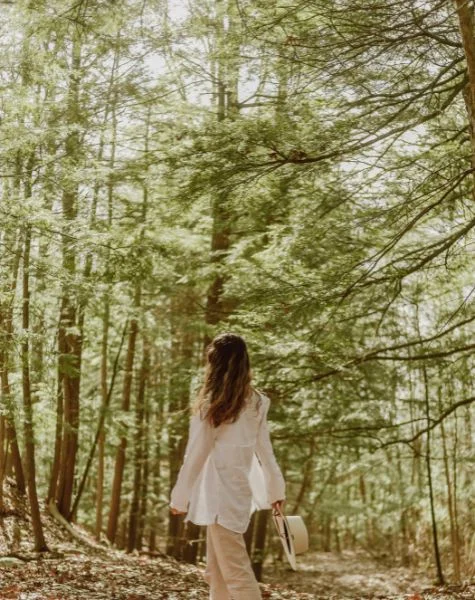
x=227 y=381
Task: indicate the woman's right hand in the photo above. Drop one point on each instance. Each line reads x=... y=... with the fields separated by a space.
x=278 y=505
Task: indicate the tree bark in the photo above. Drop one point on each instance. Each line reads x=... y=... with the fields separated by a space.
x=260 y=543
x=144 y=484
x=104 y=400
x=157 y=375
x=182 y=354
x=12 y=450
x=139 y=443
x=435 y=537
x=69 y=337
x=114 y=510
x=100 y=424
x=30 y=465
x=450 y=497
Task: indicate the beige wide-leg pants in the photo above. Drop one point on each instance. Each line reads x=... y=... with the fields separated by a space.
x=228 y=569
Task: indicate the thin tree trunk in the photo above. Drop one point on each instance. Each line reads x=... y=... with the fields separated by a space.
x=104 y=397
x=132 y=540
x=106 y=317
x=450 y=498
x=114 y=511
x=58 y=436
x=144 y=487
x=249 y=533
x=307 y=478
x=440 y=575
x=10 y=428
x=126 y=396
x=260 y=543
x=69 y=340
x=178 y=407
x=403 y=525
x=100 y=425
x=455 y=466
x=157 y=384
x=6 y=333
x=40 y=543
x=3 y=456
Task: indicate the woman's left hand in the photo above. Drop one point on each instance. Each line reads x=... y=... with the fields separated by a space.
x=278 y=505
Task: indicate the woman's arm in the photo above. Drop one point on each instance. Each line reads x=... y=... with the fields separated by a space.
x=275 y=483
x=200 y=441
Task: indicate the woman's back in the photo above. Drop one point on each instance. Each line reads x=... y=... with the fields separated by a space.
x=244 y=430
x=232 y=468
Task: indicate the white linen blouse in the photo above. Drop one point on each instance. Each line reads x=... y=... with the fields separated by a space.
x=229 y=471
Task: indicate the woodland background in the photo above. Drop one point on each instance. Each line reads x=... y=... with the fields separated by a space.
x=301 y=173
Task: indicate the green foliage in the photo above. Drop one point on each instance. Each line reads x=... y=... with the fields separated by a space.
x=328 y=147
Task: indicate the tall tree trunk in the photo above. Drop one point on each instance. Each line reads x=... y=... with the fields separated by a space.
x=114 y=510
x=157 y=384
x=52 y=147
x=30 y=466
x=69 y=338
x=106 y=315
x=183 y=341
x=217 y=309
x=11 y=447
x=126 y=396
x=10 y=427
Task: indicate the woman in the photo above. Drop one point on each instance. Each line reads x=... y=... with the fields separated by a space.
x=229 y=469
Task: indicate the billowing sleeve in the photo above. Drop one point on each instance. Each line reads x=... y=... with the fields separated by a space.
x=275 y=483
x=200 y=441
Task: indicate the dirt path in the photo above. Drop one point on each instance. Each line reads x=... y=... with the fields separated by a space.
x=328 y=576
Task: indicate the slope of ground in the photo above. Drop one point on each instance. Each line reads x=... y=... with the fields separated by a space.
x=91 y=571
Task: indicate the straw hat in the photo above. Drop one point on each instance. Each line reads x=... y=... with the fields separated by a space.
x=293 y=535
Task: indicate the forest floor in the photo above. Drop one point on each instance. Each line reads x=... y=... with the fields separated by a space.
x=87 y=570
x=116 y=576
